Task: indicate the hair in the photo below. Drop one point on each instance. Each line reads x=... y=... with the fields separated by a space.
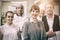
x=8 y=12
x=22 y=9
x=50 y=3
x=35 y=7
x=21 y=6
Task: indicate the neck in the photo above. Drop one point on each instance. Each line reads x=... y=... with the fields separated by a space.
x=34 y=19
x=50 y=16
x=8 y=23
x=18 y=14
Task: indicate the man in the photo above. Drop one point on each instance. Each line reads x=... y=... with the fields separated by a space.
x=51 y=22
x=19 y=17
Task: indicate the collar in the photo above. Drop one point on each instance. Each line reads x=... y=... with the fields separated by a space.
x=50 y=18
x=31 y=20
x=8 y=25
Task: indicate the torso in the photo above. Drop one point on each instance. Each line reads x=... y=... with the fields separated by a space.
x=9 y=32
x=34 y=31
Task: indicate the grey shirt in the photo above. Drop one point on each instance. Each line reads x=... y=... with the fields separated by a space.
x=34 y=31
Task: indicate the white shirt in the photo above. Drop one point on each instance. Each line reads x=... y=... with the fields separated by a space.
x=9 y=32
x=19 y=20
x=39 y=18
x=50 y=22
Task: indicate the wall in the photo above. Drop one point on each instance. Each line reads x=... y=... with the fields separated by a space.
x=3 y=6
x=5 y=3
x=0 y=13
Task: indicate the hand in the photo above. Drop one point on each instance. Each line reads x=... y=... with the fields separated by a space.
x=50 y=33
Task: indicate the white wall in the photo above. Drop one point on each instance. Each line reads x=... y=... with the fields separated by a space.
x=6 y=3
x=56 y=9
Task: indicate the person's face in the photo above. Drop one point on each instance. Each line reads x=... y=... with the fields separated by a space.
x=49 y=9
x=18 y=10
x=41 y=13
x=34 y=13
x=9 y=18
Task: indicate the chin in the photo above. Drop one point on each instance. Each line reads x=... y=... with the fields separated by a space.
x=10 y=22
x=34 y=17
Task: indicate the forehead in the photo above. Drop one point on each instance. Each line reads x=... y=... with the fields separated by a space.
x=9 y=14
x=18 y=7
x=49 y=5
x=34 y=9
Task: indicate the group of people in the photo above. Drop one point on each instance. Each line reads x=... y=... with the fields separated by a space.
x=31 y=28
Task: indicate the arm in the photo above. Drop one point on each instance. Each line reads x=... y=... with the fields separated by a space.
x=43 y=32
x=59 y=20
x=25 y=31
x=58 y=35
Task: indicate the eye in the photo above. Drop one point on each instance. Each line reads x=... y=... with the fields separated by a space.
x=36 y=10
x=33 y=11
x=8 y=16
x=11 y=16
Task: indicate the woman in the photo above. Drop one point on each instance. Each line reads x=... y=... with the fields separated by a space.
x=33 y=29
x=9 y=30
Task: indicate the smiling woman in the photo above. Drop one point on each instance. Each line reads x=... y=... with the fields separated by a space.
x=34 y=29
x=9 y=30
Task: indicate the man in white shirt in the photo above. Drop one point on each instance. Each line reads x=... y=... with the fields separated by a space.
x=51 y=22
x=19 y=17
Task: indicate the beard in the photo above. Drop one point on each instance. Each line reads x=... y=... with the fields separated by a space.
x=50 y=12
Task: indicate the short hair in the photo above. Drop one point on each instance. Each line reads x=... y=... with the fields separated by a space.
x=22 y=9
x=35 y=7
x=50 y=3
x=20 y=6
x=8 y=12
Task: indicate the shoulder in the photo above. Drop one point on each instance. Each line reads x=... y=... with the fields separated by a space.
x=43 y=17
x=3 y=27
x=15 y=15
x=56 y=15
x=41 y=22
x=27 y=22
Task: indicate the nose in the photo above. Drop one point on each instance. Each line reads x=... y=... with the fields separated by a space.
x=11 y=18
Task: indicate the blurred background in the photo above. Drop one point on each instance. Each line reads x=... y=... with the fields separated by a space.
x=6 y=5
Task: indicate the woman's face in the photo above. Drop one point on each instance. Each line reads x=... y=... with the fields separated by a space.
x=34 y=13
x=9 y=17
